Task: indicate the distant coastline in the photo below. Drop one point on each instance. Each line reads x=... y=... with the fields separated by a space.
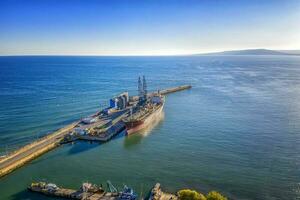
x=244 y=52
x=257 y=52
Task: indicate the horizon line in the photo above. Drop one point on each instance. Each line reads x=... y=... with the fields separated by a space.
x=137 y=55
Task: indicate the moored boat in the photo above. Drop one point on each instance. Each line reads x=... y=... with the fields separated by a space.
x=146 y=111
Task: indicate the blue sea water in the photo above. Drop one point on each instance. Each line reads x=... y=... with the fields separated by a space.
x=236 y=131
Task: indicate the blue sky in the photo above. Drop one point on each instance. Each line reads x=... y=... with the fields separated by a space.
x=73 y=27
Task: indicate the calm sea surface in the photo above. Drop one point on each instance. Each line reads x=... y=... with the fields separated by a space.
x=236 y=131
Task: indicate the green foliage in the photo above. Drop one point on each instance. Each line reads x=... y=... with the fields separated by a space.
x=190 y=195
x=213 y=195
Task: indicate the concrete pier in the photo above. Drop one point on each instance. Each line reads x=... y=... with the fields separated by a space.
x=166 y=91
x=31 y=151
x=37 y=148
x=110 y=132
x=175 y=89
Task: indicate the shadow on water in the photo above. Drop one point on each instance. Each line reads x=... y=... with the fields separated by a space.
x=76 y=148
x=133 y=140
x=43 y=157
x=123 y=133
x=82 y=146
x=28 y=195
x=137 y=137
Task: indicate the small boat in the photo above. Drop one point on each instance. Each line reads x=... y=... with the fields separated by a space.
x=127 y=194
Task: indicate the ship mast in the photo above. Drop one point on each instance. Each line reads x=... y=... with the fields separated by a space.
x=145 y=88
x=140 y=88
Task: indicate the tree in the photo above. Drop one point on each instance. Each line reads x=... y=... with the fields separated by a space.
x=190 y=195
x=213 y=195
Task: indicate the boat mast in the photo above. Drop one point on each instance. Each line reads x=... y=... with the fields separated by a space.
x=142 y=90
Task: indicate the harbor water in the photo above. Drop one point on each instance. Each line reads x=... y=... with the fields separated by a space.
x=236 y=131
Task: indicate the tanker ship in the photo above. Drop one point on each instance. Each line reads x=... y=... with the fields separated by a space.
x=146 y=111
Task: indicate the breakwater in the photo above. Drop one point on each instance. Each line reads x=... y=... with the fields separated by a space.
x=166 y=91
x=175 y=89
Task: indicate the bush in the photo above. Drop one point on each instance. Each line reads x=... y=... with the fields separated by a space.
x=190 y=195
x=213 y=195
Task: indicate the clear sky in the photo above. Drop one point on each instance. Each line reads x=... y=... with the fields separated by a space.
x=73 y=27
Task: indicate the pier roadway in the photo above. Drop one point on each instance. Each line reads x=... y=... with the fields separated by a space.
x=33 y=150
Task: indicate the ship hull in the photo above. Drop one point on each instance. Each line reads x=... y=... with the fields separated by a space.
x=133 y=127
